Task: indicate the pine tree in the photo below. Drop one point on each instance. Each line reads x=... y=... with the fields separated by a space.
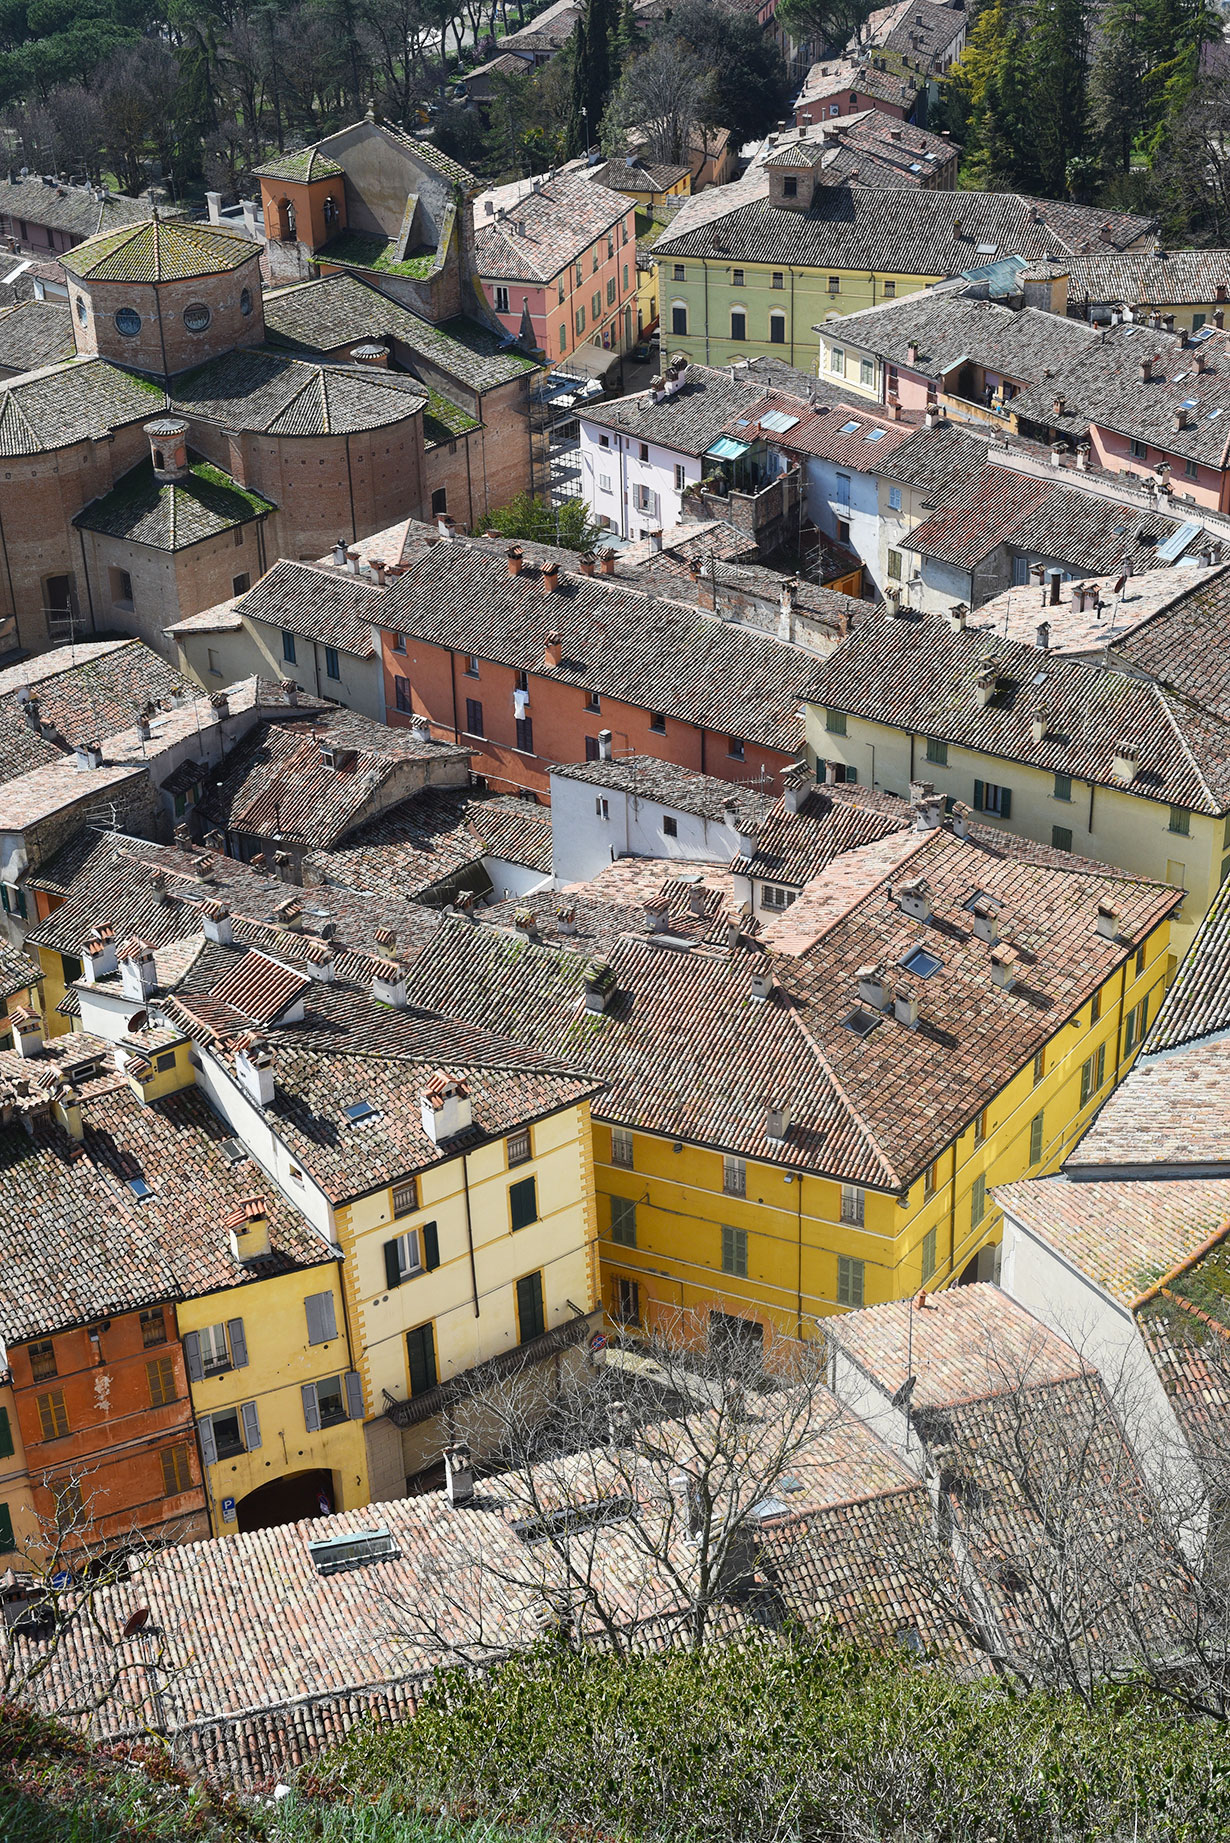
x=1058 y=84
x=1115 y=84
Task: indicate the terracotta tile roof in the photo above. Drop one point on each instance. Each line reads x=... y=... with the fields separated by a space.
x=339 y=309
x=590 y=919
x=92 y=689
x=327 y=605
x=268 y=1686
x=921 y=28
x=635 y=175
x=84 y=400
x=17 y=972
x=794 y=847
x=260 y=989
x=897 y=87
x=1182 y=647
x=422 y=846
x=898 y=232
x=1103 y=387
x=1128 y=1235
x=547 y=230
x=1158 y=278
x=273 y=394
x=280 y=781
x=861 y=437
x=1185 y=1331
x=1173 y=1110
x=59 y=786
x=1108 y=623
x=690 y=1053
x=173 y=515
x=34 y=334
x=948 y=326
x=939 y=461
x=301 y=167
x=21 y=749
x=1197 y=1003
x=617 y=641
x=918 y=675
x=645 y=777
x=688 y=422
x=76 y=209
x=159 y=250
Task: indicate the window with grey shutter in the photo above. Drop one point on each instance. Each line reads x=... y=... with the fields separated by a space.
x=238 y=1343
x=209 y=1446
x=251 y=1426
x=354 y=1395
x=311 y=1408
x=321 y=1318
x=192 y=1357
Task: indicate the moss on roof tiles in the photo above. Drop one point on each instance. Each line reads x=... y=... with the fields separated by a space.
x=159 y=250
x=359 y=250
x=171 y=516
x=444 y=421
x=306 y=165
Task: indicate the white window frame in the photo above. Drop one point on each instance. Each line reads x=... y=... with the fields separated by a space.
x=734 y=1175
x=853 y=1204
x=622 y=1148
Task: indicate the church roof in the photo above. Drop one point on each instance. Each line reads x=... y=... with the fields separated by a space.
x=159 y=250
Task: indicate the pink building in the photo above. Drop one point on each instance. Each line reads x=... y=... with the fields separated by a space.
x=558 y=263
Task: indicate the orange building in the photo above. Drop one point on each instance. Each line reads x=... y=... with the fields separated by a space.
x=528 y=664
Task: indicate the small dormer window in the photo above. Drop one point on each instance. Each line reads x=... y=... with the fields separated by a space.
x=790 y=186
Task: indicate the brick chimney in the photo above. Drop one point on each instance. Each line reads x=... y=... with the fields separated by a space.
x=552 y=652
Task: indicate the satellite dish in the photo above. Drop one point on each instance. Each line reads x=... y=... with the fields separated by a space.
x=137 y=1622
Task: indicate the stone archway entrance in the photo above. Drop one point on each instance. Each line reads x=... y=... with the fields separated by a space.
x=287 y=1500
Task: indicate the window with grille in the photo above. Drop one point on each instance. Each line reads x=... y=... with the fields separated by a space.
x=176 y=1471
x=405 y=1197
x=627 y=1302
x=734 y=1252
x=734 y=1176
x=623 y=1221
x=670 y=826
x=519 y=1149
x=52 y=1414
x=161 y=1374
x=43 y=1360
x=928 y=1254
x=853 y=1203
x=215 y=1353
x=849 y=1281
x=621 y=1147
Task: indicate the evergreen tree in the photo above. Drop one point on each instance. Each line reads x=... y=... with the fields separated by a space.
x=593 y=75
x=1115 y=85
x=1058 y=84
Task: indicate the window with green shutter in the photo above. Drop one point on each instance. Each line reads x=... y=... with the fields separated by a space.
x=1061 y=838
x=7 y=1448
x=421 y=1354
x=531 y=1316
x=928 y=1254
x=1063 y=787
x=1180 y=821
x=835 y=722
x=849 y=1280
x=523 y=1203
x=937 y=752
x=977 y=1201
x=7 y=1538
x=734 y=1252
x=1035 y=1138
x=623 y=1221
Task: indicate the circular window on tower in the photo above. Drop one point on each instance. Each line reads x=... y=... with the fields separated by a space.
x=245 y=301
x=128 y=322
x=196 y=317
x=82 y=310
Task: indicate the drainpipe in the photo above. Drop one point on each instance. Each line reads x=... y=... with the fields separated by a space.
x=465 y=1179
x=354 y=529
x=705 y=266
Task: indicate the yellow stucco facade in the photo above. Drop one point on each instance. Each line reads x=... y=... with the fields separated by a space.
x=1111 y=824
x=19 y=1527
x=814 y=1247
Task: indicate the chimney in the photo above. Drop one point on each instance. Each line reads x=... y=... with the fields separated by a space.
x=168 y=441
x=986 y=681
x=446 y=1107
x=1057 y=405
x=220 y=704
x=1125 y=762
x=1040 y=723
x=1201 y=360
x=1180 y=418
x=525 y=922
x=911 y=351
x=957 y=617
x=550 y=576
x=789 y=595
x=216 y=923
x=957 y=229
x=588 y=563
x=762 y=984
x=872 y=986
x=420 y=726
x=599 y=981
x=446 y=526
x=1082 y=457
x=515 y=557
x=656 y=912
x=88 y=755
x=1108 y=922
x=606 y=561
x=1005 y=967
x=565 y=919
x=339 y=554
x=1042 y=636
x=777 y=1120
x=98 y=959
x=1145 y=370
x=248 y=1226
x=458 y=1474
x=914 y=898
x=795 y=790
x=552 y=652
x=906 y=1007
x=371 y=352
x=986 y=923
x=389 y=983
x=698 y=898
x=138 y=970
x=605 y=748
x=928 y=813
x=27 y=1031
x=254 y=1068
x=290 y=691
x=1219 y=317
x=1056 y=585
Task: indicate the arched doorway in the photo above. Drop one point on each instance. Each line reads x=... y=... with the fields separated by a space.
x=286 y=221
x=287 y=1500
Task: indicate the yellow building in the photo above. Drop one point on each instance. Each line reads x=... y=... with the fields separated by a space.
x=782 y=249
x=1188 y=288
x=647 y=182
x=18 y=1524
x=812 y=1119
x=1080 y=759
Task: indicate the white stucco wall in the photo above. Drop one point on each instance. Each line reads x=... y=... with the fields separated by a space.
x=582 y=843
x=621 y=466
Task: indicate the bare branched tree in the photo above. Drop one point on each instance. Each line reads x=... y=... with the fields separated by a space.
x=628 y=1513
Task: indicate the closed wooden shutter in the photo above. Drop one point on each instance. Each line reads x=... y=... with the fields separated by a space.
x=531 y=1318
x=523 y=1203
x=354 y=1395
x=7 y=1449
x=392 y=1265
x=321 y=1318
x=979 y=795
x=7 y=1540
x=251 y=1426
x=192 y=1357
x=431 y=1246
x=238 y=1343
x=209 y=1446
x=311 y=1408
x=421 y=1352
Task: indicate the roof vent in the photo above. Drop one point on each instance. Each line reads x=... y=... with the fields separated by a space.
x=446 y=1107
x=777 y=1120
x=357 y=1550
x=762 y=984
x=1108 y=922
x=1005 y=967
x=906 y=1007
x=914 y=898
x=599 y=981
x=1125 y=763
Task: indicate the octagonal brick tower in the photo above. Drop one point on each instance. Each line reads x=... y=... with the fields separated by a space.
x=165 y=295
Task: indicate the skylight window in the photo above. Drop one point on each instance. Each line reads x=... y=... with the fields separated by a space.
x=976 y=897
x=1212 y=413
x=862 y=1023
x=356 y=1551
x=572 y=1519
x=234 y=1151
x=140 y=1189
x=849 y=428
x=875 y=435
x=922 y=963
x=360 y=1110
x=987 y=249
